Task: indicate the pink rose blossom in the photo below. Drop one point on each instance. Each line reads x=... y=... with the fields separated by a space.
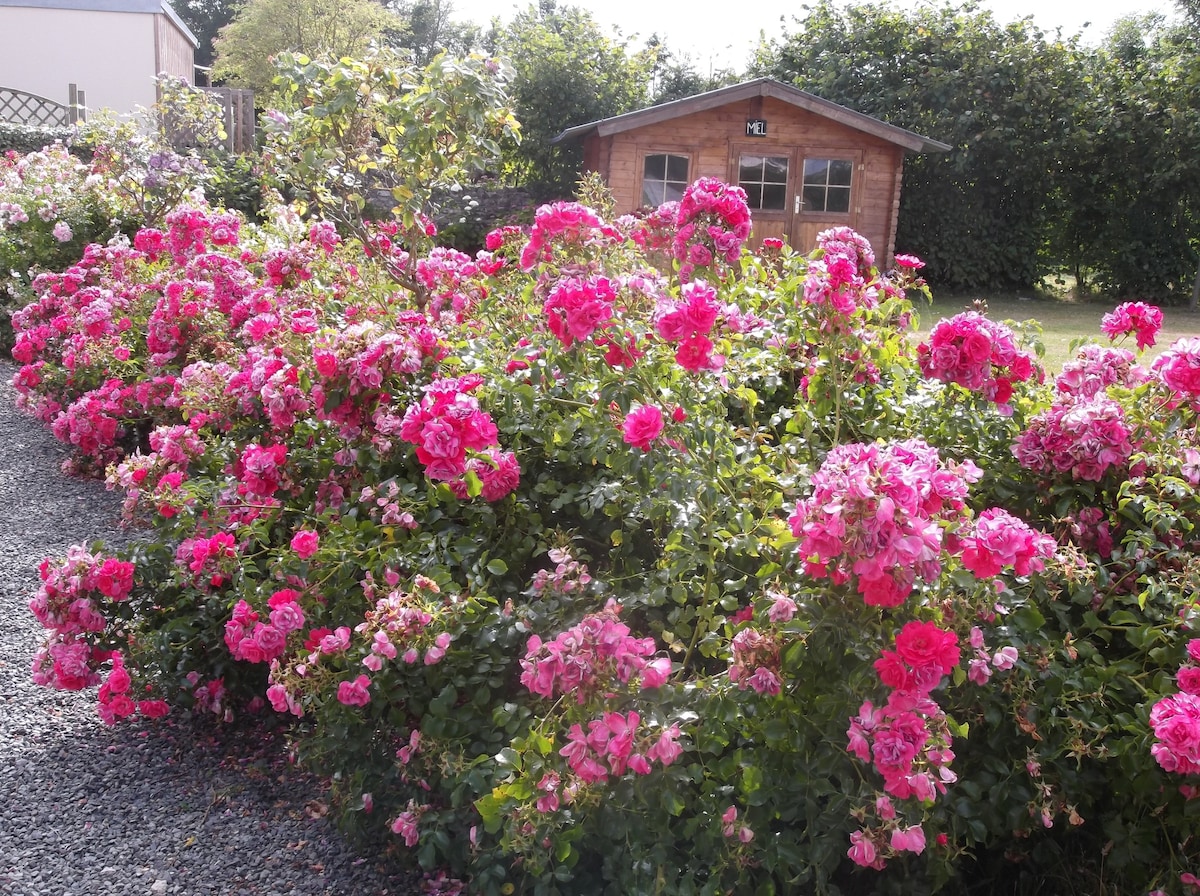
x=305 y=543
x=643 y=425
x=354 y=693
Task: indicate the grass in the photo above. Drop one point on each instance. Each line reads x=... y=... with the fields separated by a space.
x=1062 y=321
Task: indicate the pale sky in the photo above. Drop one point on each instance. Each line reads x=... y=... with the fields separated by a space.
x=718 y=33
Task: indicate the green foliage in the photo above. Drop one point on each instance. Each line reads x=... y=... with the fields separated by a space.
x=262 y=29
x=677 y=77
x=25 y=138
x=567 y=72
x=431 y=30
x=1134 y=236
x=205 y=19
x=1006 y=99
x=349 y=128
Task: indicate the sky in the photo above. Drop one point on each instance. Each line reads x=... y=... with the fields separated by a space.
x=728 y=36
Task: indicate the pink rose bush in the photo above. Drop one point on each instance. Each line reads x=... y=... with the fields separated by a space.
x=1086 y=439
x=595 y=654
x=1133 y=318
x=978 y=354
x=1178 y=369
x=1175 y=720
x=1095 y=368
x=712 y=223
x=998 y=540
x=875 y=516
x=581 y=549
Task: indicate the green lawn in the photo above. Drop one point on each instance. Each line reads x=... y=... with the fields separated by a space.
x=1062 y=322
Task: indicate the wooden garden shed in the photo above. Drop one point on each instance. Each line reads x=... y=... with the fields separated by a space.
x=805 y=163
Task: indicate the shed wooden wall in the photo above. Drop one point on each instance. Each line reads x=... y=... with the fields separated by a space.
x=714 y=139
x=174 y=53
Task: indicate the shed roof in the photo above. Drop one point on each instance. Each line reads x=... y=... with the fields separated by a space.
x=142 y=6
x=760 y=87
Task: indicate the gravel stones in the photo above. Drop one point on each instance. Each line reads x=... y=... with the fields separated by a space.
x=170 y=806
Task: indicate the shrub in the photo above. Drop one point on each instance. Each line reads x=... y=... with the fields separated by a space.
x=23 y=139
x=51 y=206
x=580 y=578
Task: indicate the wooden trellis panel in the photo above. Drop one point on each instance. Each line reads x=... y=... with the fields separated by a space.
x=23 y=107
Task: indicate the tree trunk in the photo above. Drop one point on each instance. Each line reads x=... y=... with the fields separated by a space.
x=1192 y=305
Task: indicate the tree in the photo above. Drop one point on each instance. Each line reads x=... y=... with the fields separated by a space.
x=566 y=73
x=206 y=18
x=431 y=30
x=1148 y=125
x=348 y=128
x=1007 y=99
x=676 y=77
x=262 y=29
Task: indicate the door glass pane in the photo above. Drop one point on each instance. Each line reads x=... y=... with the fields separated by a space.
x=764 y=178
x=774 y=196
x=839 y=172
x=815 y=171
x=827 y=185
x=750 y=169
x=775 y=170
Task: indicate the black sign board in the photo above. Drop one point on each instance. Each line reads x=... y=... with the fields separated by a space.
x=756 y=127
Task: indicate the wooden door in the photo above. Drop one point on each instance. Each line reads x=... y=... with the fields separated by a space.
x=766 y=172
x=824 y=193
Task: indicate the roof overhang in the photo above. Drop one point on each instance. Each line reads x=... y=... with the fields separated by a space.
x=154 y=7
x=762 y=87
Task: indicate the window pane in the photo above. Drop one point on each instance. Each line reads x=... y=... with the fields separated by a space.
x=673 y=192
x=775 y=170
x=651 y=193
x=839 y=199
x=677 y=168
x=839 y=172
x=816 y=171
x=814 y=199
x=750 y=169
x=774 y=196
x=653 y=167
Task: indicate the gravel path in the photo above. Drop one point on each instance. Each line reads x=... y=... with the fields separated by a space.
x=161 y=807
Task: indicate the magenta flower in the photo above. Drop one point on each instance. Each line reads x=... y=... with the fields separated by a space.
x=976 y=353
x=1143 y=320
x=1176 y=723
x=354 y=693
x=576 y=308
x=1178 y=368
x=875 y=514
x=643 y=425
x=1085 y=439
x=305 y=543
x=924 y=645
x=1000 y=540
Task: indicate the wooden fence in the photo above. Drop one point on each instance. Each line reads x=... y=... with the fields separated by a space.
x=239 y=117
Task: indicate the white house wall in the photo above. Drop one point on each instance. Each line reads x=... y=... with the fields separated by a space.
x=110 y=55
